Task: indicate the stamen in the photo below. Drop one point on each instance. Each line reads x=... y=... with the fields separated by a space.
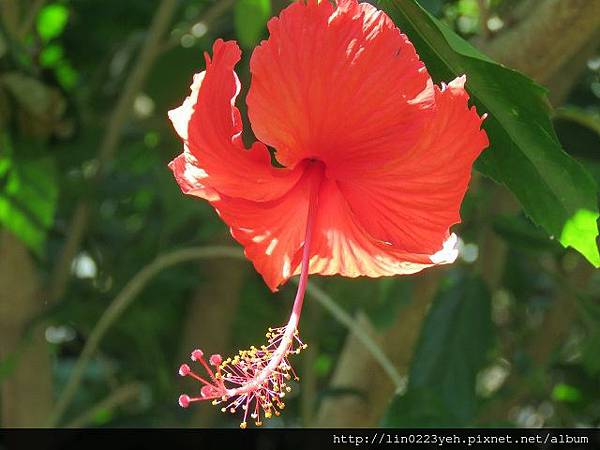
x=254 y=381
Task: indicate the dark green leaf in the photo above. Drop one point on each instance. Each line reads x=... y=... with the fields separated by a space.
x=521 y=233
x=419 y=408
x=525 y=155
x=433 y=6
x=250 y=20
x=579 y=131
x=455 y=341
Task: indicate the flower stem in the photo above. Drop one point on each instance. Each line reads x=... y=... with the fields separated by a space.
x=292 y=325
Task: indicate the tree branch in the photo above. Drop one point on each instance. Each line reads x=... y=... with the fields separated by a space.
x=10 y=12
x=26 y=391
x=29 y=19
x=398 y=342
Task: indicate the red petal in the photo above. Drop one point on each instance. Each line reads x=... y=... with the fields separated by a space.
x=342 y=246
x=329 y=84
x=215 y=161
x=340 y=85
x=413 y=201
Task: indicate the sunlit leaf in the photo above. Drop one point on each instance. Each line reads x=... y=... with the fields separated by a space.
x=52 y=20
x=28 y=195
x=51 y=55
x=66 y=74
x=566 y=393
x=524 y=154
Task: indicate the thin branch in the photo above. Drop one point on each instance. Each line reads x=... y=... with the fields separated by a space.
x=9 y=16
x=129 y=293
x=62 y=269
x=29 y=19
x=110 y=142
x=208 y=18
x=484 y=17
x=121 y=396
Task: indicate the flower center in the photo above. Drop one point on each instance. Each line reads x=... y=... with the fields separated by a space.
x=255 y=380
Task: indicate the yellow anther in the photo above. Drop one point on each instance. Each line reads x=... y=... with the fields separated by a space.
x=258 y=423
x=268 y=414
x=215 y=403
x=243 y=425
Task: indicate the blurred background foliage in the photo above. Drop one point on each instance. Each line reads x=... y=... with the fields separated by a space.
x=509 y=335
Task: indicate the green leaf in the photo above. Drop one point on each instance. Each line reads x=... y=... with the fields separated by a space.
x=28 y=195
x=433 y=6
x=51 y=55
x=51 y=21
x=454 y=343
x=579 y=131
x=524 y=154
x=419 y=408
x=565 y=393
x=250 y=17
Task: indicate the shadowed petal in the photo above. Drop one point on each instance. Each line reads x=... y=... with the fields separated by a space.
x=273 y=232
x=342 y=246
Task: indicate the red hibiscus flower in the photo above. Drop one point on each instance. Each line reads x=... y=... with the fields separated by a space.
x=376 y=161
